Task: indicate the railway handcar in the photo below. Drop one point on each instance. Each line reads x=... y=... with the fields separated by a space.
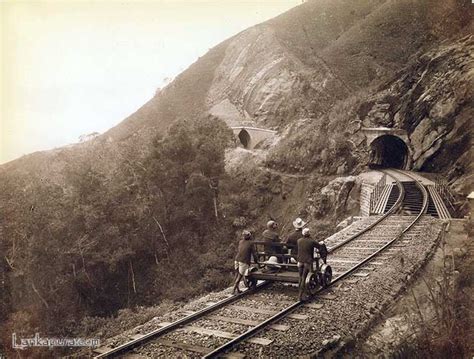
x=277 y=262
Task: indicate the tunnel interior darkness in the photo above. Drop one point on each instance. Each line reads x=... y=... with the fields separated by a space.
x=389 y=151
x=244 y=138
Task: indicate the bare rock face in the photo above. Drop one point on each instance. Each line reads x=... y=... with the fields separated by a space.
x=380 y=115
x=262 y=81
x=228 y=112
x=440 y=108
x=253 y=85
x=433 y=101
x=337 y=195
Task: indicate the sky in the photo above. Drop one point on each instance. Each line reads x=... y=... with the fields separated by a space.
x=70 y=68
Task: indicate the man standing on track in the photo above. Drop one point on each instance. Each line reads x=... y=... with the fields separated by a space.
x=306 y=246
x=244 y=255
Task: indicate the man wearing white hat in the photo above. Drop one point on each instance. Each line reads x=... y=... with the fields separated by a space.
x=292 y=239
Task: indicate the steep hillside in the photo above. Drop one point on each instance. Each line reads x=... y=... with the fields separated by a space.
x=300 y=63
x=113 y=218
x=293 y=67
x=433 y=100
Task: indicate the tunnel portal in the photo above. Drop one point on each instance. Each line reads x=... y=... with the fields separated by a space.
x=244 y=138
x=389 y=151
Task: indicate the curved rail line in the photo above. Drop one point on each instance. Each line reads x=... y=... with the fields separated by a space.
x=382 y=218
x=252 y=331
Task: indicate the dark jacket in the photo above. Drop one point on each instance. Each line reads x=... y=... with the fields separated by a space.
x=271 y=236
x=245 y=251
x=306 y=247
x=292 y=239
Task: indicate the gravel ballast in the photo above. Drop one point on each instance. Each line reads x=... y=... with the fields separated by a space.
x=355 y=302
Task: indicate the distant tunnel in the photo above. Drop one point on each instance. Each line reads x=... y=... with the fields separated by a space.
x=389 y=151
x=244 y=138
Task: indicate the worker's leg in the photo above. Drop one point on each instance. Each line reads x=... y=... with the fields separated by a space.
x=303 y=282
x=236 y=284
x=236 y=271
x=238 y=277
x=300 y=280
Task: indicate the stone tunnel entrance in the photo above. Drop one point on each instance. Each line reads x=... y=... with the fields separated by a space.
x=252 y=137
x=244 y=138
x=389 y=151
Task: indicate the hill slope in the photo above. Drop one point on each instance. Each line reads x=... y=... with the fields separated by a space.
x=294 y=66
x=111 y=219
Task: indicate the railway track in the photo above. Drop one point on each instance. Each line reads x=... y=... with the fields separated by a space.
x=351 y=255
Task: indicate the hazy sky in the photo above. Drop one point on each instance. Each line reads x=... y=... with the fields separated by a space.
x=74 y=67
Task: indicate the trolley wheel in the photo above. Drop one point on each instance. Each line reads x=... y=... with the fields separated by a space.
x=326 y=275
x=311 y=283
x=249 y=282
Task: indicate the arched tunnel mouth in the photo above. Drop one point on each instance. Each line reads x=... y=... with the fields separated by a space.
x=244 y=138
x=388 y=151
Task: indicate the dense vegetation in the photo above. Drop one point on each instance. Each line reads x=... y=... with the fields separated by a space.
x=100 y=244
x=336 y=149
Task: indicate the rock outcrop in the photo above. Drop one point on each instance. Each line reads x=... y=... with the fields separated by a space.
x=433 y=101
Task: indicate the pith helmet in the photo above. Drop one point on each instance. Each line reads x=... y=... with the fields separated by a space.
x=305 y=232
x=246 y=234
x=298 y=223
x=271 y=224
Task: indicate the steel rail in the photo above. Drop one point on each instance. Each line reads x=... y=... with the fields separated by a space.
x=423 y=190
x=384 y=216
x=164 y=330
x=251 y=332
x=172 y=326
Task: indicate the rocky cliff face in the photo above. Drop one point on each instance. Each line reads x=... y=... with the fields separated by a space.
x=433 y=101
x=255 y=79
x=298 y=65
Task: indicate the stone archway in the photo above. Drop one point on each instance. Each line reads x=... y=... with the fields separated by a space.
x=389 y=151
x=251 y=137
x=244 y=138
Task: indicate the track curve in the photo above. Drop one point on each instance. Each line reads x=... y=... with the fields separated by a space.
x=222 y=349
x=334 y=250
